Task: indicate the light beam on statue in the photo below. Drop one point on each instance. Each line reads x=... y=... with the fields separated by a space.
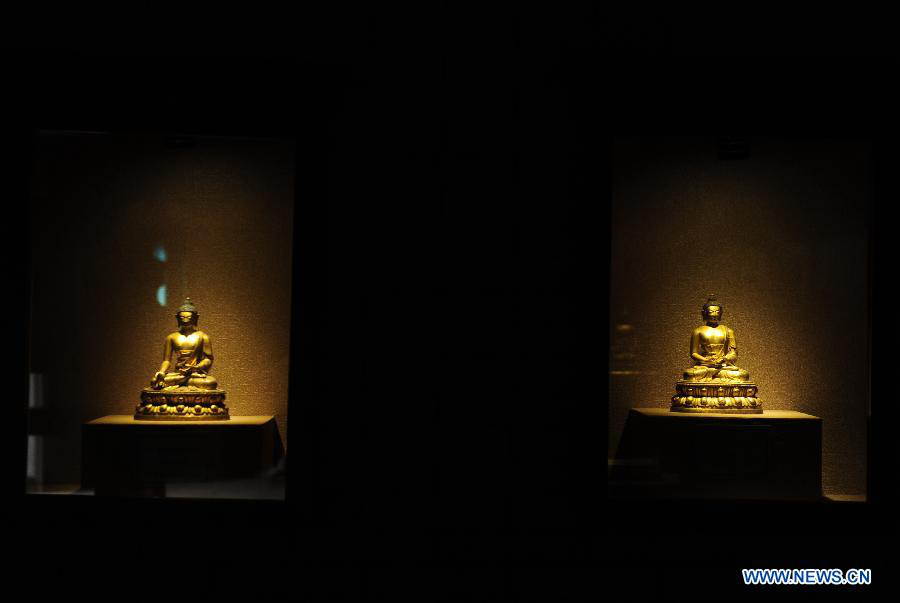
x=182 y=388
x=714 y=383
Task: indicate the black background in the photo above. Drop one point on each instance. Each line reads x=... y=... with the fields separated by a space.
x=449 y=342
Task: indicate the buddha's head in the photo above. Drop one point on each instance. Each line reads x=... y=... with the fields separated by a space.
x=712 y=310
x=187 y=315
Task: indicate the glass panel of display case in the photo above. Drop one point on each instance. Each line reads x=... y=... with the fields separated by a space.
x=160 y=315
x=739 y=305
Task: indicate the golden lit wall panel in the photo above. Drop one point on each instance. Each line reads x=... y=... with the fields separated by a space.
x=781 y=237
x=123 y=229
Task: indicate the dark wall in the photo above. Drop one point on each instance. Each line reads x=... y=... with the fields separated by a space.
x=712 y=34
x=782 y=238
x=447 y=381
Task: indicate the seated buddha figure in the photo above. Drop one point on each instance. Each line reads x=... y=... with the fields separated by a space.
x=187 y=355
x=713 y=349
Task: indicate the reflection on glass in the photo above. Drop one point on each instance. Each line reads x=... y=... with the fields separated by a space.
x=35 y=462
x=35 y=390
x=35 y=450
x=623 y=347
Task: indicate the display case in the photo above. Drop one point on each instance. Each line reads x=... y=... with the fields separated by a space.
x=125 y=227
x=778 y=229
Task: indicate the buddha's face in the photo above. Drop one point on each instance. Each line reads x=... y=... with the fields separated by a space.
x=713 y=313
x=186 y=319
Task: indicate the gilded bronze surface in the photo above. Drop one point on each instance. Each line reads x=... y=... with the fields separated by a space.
x=714 y=383
x=182 y=388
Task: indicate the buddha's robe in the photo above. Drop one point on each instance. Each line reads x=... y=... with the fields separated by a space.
x=191 y=353
x=714 y=351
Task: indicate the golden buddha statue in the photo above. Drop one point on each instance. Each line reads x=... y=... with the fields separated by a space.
x=182 y=388
x=714 y=383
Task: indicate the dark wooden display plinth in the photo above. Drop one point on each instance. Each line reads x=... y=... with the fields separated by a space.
x=121 y=456
x=775 y=455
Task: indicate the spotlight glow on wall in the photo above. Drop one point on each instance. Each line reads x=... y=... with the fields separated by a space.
x=160 y=253
x=161 y=295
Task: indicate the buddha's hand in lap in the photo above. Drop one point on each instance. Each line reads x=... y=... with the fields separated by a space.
x=158 y=379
